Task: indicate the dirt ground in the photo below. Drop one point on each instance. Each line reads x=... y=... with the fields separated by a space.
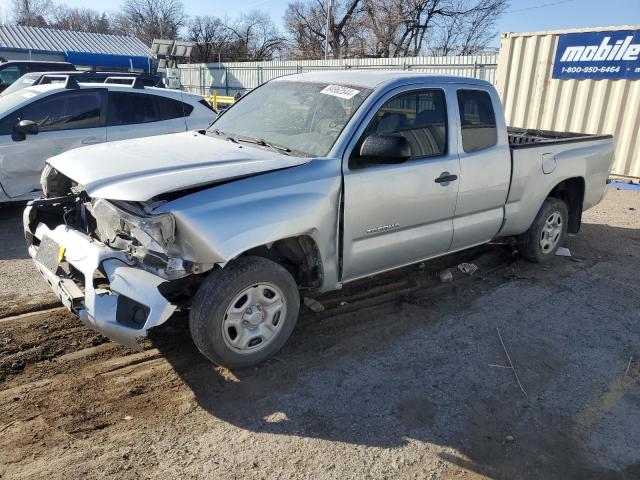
x=401 y=377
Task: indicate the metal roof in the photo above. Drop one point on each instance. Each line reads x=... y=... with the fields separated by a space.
x=51 y=40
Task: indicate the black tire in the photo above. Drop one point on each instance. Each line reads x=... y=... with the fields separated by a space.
x=216 y=294
x=529 y=242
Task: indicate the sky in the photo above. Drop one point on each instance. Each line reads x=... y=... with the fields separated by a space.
x=521 y=16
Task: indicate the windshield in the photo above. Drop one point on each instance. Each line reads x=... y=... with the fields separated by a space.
x=23 y=82
x=305 y=118
x=9 y=102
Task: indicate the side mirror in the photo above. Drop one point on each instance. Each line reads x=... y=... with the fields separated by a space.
x=383 y=149
x=24 y=128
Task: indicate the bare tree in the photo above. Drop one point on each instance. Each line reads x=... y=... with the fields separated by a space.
x=32 y=13
x=149 y=19
x=211 y=37
x=306 y=25
x=385 y=23
x=479 y=26
x=391 y=28
x=79 y=20
x=469 y=30
x=255 y=37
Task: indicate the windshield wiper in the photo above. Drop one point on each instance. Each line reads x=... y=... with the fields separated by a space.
x=222 y=134
x=263 y=143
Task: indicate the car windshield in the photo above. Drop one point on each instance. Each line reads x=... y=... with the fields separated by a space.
x=9 y=102
x=302 y=117
x=23 y=82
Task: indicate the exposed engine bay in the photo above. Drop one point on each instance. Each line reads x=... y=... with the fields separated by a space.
x=147 y=238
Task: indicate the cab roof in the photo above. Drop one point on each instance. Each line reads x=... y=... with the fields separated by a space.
x=376 y=78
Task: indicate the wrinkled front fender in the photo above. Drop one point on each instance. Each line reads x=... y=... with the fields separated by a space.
x=218 y=224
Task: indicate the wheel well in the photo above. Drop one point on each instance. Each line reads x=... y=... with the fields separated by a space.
x=299 y=255
x=571 y=192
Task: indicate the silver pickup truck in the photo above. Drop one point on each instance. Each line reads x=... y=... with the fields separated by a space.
x=308 y=182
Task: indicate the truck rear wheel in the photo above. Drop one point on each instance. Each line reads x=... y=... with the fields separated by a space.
x=541 y=241
x=244 y=313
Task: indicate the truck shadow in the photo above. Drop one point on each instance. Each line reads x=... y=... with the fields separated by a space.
x=408 y=365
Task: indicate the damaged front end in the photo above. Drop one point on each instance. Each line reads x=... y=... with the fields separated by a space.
x=112 y=263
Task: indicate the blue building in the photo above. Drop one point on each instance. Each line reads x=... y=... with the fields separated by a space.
x=85 y=50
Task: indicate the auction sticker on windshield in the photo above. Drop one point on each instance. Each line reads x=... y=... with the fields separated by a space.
x=340 y=91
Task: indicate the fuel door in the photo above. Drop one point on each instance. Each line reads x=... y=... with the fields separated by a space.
x=548 y=163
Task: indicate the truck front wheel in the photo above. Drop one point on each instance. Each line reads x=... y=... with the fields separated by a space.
x=541 y=241
x=245 y=312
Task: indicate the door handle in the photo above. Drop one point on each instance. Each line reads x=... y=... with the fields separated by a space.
x=90 y=140
x=446 y=177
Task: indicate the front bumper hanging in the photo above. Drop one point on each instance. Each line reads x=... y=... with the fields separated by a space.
x=123 y=304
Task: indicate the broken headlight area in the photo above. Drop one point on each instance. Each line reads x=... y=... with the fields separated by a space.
x=147 y=237
x=117 y=224
x=55 y=184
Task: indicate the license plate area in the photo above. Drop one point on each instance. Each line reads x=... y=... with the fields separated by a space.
x=49 y=254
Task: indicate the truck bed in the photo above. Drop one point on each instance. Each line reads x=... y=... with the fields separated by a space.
x=523 y=138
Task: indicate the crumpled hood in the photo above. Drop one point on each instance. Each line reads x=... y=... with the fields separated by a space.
x=142 y=168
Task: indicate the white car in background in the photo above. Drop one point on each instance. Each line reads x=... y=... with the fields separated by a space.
x=45 y=120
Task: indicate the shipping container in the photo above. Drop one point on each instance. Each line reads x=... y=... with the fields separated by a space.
x=533 y=99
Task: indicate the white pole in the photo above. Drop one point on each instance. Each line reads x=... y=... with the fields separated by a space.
x=326 y=37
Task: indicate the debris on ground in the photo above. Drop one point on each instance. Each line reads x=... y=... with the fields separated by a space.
x=313 y=304
x=18 y=365
x=513 y=369
x=509 y=438
x=468 y=268
x=136 y=390
x=445 y=276
x=563 y=252
x=99 y=340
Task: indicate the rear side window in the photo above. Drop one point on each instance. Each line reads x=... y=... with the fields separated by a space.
x=478 y=120
x=65 y=111
x=206 y=104
x=10 y=74
x=132 y=108
x=170 y=108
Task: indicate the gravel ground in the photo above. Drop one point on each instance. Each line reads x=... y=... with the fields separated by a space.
x=22 y=289
x=405 y=380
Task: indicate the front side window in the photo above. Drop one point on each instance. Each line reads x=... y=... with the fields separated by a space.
x=131 y=108
x=65 y=111
x=305 y=117
x=419 y=116
x=477 y=119
x=8 y=122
